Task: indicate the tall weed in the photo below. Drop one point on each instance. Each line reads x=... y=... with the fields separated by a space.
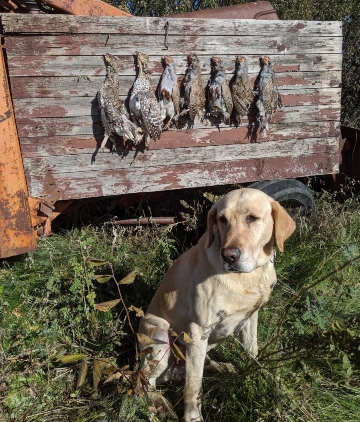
x=63 y=358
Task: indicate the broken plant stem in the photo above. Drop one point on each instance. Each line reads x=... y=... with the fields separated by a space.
x=126 y=309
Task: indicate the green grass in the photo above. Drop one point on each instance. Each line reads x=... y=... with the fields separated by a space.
x=309 y=333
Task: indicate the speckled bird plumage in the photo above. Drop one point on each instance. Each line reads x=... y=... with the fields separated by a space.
x=113 y=113
x=268 y=99
x=194 y=92
x=220 y=101
x=168 y=93
x=241 y=89
x=144 y=107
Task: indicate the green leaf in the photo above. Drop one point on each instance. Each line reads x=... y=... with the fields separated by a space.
x=130 y=278
x=102 y=278
x=82 y=374
x=97 y=262
x=187 y=338
x=177 y=352
x=98 y=366
x=106 y=306
x=71 y=358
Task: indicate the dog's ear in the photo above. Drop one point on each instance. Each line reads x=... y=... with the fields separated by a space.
x=211 y=220
x=284 y=224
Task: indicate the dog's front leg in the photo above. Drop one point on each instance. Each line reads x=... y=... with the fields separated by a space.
x=248 y=334
x=194 y=368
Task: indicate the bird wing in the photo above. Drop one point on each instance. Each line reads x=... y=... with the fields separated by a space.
x=268 y=98
x=103 y=113
x=192 y=102
x=226 y=94
x=176 y=98
x=151 y=114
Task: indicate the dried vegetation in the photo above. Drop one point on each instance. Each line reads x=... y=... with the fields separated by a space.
x=69 y=314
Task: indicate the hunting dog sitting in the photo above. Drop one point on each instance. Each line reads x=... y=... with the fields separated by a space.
x=215 y=289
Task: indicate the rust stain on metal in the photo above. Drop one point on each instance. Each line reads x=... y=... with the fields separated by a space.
x=262 y=10
x=16 y=233
x=87 y=7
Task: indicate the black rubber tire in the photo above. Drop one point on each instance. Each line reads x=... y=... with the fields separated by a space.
x=293 y=195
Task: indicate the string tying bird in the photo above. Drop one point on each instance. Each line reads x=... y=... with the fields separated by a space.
x=220 y=102
x=168 y=93
x=144 y=107
x=113 y=113
x=241 y=89
x=269 y=98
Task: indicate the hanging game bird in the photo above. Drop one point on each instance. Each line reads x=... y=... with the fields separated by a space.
x=241 y=89
x=144 y=108
x=194 y=93
x=220 y=102
x=168 y=93
x=269 y=98
x=113 y=113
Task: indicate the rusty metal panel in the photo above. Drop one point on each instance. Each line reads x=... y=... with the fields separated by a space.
x=16 y=233
x=262 y=10
x=87 y=8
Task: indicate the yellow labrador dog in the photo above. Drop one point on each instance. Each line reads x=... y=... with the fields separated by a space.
x=216 y=288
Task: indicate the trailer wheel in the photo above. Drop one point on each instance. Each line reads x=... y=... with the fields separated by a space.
x=293 y=195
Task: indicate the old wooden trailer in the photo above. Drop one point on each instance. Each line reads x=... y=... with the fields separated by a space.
x=55 y=67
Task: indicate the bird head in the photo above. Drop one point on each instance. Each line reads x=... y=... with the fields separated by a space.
x=192 y=58
x=143 y=63
x=109 y=58
x=241 y=65
x=142 y=59
x=240 y=60
x=265 y=60
x=168 y=60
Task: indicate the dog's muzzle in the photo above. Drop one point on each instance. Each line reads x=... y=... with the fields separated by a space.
x=230 y=255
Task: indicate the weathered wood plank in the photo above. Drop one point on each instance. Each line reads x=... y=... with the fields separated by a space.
x=82 y=125
x=66 y=87
x=177 y=156
x=87 y=106
x=121 y=181
x=62 y=145
x=88 y=45
x=60 y=24
x=88 y=66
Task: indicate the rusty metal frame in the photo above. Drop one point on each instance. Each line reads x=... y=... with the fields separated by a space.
x=16 y=233
x=87 y=8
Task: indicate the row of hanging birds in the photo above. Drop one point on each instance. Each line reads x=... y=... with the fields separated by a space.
x=148 y=112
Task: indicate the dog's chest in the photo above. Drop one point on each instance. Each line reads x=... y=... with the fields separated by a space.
x=230 y=308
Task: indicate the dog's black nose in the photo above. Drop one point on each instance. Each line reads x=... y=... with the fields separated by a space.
x=230 y=255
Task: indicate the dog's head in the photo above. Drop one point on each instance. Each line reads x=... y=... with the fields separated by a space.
x=245 y=222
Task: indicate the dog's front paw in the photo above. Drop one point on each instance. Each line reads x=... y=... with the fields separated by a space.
x=193 y=414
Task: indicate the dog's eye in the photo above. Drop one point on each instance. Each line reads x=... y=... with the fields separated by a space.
x=222 y=219
x=251 y=219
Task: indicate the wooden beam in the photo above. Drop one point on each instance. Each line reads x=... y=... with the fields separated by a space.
x=16 y=233
x=62 y=24
x=117 y=181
